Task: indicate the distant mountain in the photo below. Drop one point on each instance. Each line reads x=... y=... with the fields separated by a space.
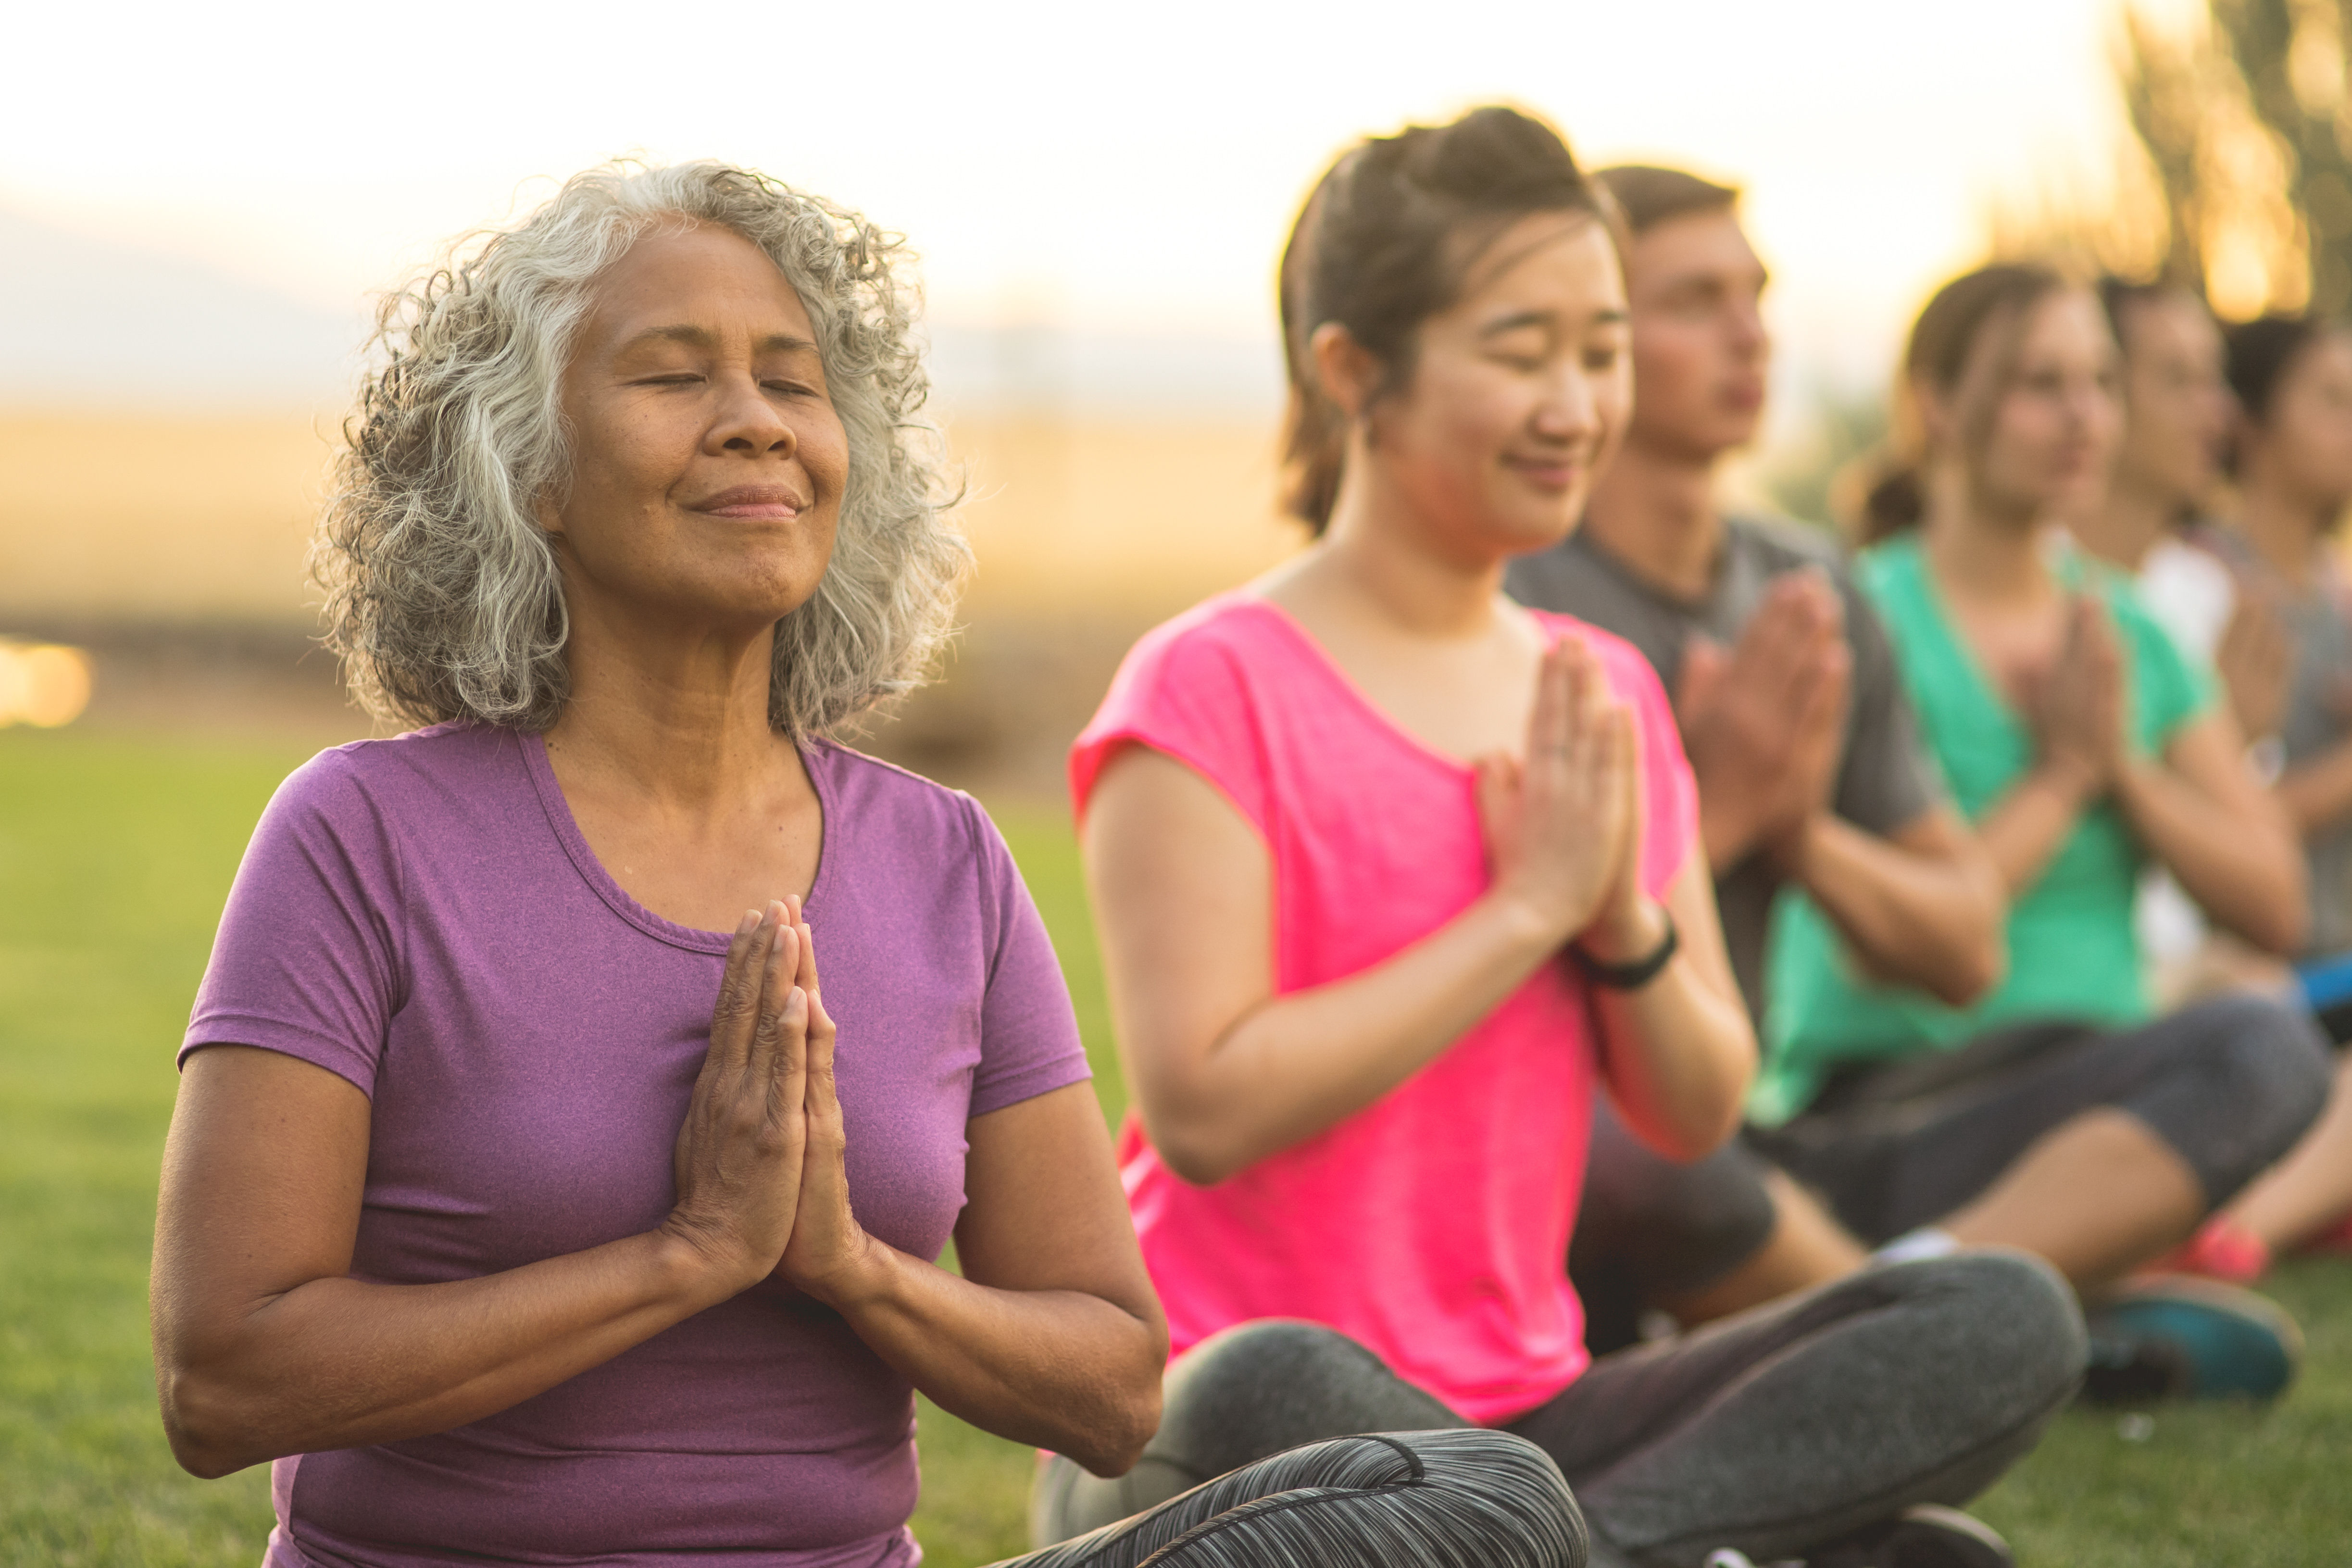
x=92 y=322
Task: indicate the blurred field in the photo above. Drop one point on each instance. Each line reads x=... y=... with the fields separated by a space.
x=172 y=548
x=187 y=519
x=115 y=852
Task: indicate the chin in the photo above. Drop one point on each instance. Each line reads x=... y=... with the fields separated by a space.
x=1525 y=535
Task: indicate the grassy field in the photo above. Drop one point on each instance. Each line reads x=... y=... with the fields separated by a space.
x=114 y=855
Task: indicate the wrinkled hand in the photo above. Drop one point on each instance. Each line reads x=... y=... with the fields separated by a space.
x=738 y=1155
x=1562 y=826
x=828 y=1245
x=1764 y=724
x=2075 y=706
x=2255 y=659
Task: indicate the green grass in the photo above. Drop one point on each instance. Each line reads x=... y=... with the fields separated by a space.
x=114 y=857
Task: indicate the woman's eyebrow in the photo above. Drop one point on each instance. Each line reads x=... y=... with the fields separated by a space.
x=703 y=338
x=1520 y=320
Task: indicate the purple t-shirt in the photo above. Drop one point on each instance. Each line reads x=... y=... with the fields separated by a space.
x=421 y=917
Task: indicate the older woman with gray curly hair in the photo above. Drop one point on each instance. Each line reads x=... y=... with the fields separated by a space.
x=529 y=1197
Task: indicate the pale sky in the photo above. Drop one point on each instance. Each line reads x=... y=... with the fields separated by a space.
x=1115 y=169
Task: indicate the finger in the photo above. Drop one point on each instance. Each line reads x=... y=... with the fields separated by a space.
x=788 y=1087
x=737 y=1009
x=1836 y=670
x=1828 y=604
x=822 y=1093
x=804 y=975
x=769 y=1042
x=1587 y=695
x=1548 y=724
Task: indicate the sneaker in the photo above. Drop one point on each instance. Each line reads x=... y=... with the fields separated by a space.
x=2335 y=1241
x=2221 y=1249
x=1923 y=1537
x=2177 y=1337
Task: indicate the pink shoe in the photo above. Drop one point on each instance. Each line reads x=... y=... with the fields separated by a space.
x=2222 y=1250
x=2335 y=1241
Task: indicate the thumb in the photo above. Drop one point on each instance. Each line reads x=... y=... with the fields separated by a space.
x=1495 y=774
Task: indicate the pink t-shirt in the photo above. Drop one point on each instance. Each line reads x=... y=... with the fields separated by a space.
x=1432 y=1226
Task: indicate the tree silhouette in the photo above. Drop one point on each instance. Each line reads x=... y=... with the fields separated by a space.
x=2248 y=141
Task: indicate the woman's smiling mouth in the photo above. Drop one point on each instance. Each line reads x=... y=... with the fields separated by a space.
x=776 y=502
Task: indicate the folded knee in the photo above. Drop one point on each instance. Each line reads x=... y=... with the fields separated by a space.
x=2011 y=1316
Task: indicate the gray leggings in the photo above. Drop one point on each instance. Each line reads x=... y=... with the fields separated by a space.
x=1450 y=1499
x=2229 y=1085
x=1804 y=1421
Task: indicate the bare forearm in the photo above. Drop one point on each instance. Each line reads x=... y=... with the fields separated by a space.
x=1301 y=1063
x=340 y=1363
x=1057 y=1369
x=1679 y=1055
x=2029 y=824
x=1929 y=922
x=2240 y=864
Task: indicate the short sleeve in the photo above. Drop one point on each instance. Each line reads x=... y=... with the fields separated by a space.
x=309 y=958
x=1029 y=1042
x=1669 y=790
x=1885 y=782
x=1182 y=691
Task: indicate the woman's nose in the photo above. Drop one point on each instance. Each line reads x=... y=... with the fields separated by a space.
x=748 y=421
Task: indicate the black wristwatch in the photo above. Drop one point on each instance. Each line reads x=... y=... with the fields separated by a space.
x=1640 y=971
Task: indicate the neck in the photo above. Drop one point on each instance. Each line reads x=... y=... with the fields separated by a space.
x=1380 y=554
x=674 y=715
x=1654 y=512
x=2285 y=528
x=2129 y=525
x=1980 y=553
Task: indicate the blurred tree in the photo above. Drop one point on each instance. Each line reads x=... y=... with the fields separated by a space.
x=2247 y=134
x=1822 y=480
x=2289 y=54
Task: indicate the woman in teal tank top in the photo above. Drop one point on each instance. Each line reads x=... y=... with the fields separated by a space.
x=2053 y=1112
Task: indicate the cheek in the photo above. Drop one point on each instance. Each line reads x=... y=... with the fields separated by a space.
x=1671 y=363
x=824 y=452
x=1452 y=421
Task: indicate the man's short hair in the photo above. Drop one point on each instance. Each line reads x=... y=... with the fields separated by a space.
x=1652 y=196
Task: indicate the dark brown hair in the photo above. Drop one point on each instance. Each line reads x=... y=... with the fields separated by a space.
x=1383 y=243
x=2118 y=297
x=2258 y=354
x=1943 y=341
x=1649 y=195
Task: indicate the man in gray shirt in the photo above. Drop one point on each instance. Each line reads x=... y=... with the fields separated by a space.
x=1810 y=771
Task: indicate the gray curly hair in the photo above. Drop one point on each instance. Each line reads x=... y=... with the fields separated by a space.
x=443 y=595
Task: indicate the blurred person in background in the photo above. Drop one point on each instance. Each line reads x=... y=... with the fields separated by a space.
x=1396 y=879
x=1807 y=759
x=2153 y=522
x=521 y=1200
x=2292 y=463
x=2054 y=1114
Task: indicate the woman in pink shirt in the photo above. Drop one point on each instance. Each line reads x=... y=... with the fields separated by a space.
x=1394 y=876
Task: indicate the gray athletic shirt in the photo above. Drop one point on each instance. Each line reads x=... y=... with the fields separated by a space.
x=1885 y=781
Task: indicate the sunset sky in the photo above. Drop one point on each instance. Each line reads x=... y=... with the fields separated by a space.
x=1105 y=169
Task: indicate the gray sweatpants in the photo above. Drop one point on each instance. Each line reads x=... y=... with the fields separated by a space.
x=1776 y=1432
